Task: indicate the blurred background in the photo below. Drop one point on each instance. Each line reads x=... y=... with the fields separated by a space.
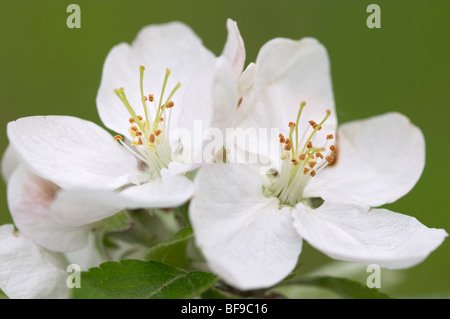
x=48 y=69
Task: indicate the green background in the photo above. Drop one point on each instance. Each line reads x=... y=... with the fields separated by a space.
x=48 y=69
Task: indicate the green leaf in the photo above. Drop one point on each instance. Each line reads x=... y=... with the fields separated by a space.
x=135 y=279
x=173 y=251
x=345 y=287
x=214 y=293
x=118 y=222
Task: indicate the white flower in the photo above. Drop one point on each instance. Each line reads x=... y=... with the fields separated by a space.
x=28 y=271
x=65 y=173
x=249 y=222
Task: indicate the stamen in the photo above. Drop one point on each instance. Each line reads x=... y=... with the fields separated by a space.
x=158 y=132
x=152 y=138
x=333 y=149
x=141 y=80
x=122 y=96
x=330 y=159
x=118 y=137
x=282 y=139
x=313 y=173
x=312 y=164
x=131 y=120
x=330 y=136
x=319 y=155
x=302 y=105
x=309 y=145
x=305 y=170
x=150 y=98
x=316 y=129
x=302 y=157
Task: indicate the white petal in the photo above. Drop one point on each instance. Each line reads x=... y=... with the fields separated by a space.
x=29 y=271
x=380 y=159
x=80 y=206
x=247 y=79
x=245 y=237
x=378 y=236
x=287 y=73
x=169 y=191
x=234 y=50
x=156 y=47
x=87 y=257
x=72 y=152
x=209 y=109
x=29 y=199
x=9 y=163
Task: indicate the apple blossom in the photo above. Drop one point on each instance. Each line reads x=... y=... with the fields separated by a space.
x=319 y=185
x=64 y=173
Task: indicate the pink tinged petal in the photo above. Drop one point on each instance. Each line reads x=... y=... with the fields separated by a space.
x=29 y=200
x=28 y=271
x=234 y=50
x=9 y=163
x=377 y=236
x=380 y=159
x=72 y=152
x=156 y=47
x=287 y=73
x=245 y=237
x=80 y=206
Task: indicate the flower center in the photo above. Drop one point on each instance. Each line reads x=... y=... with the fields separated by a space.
x=149 y=137
x=301 y=160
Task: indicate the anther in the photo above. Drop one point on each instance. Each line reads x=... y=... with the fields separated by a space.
x=294 y=161
x=305 y=170
x=131 y=120
x=158 y=132
x=282 y=139
x=170 y=104
x=312 y=123
x=142 y=68
x=118 y=137
x=291 y=124
x=302 y=157
x=150 y=97
x=152 y=138
x=313 y=173
x=319 y=155
x=312 y=164
x=330 y=136
x=287 y=147
x=309 y=145
x=139 y=117
x=139 y=133
x=139 y=141
x=333 y=149
x=330 y=159
x=161 y=119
